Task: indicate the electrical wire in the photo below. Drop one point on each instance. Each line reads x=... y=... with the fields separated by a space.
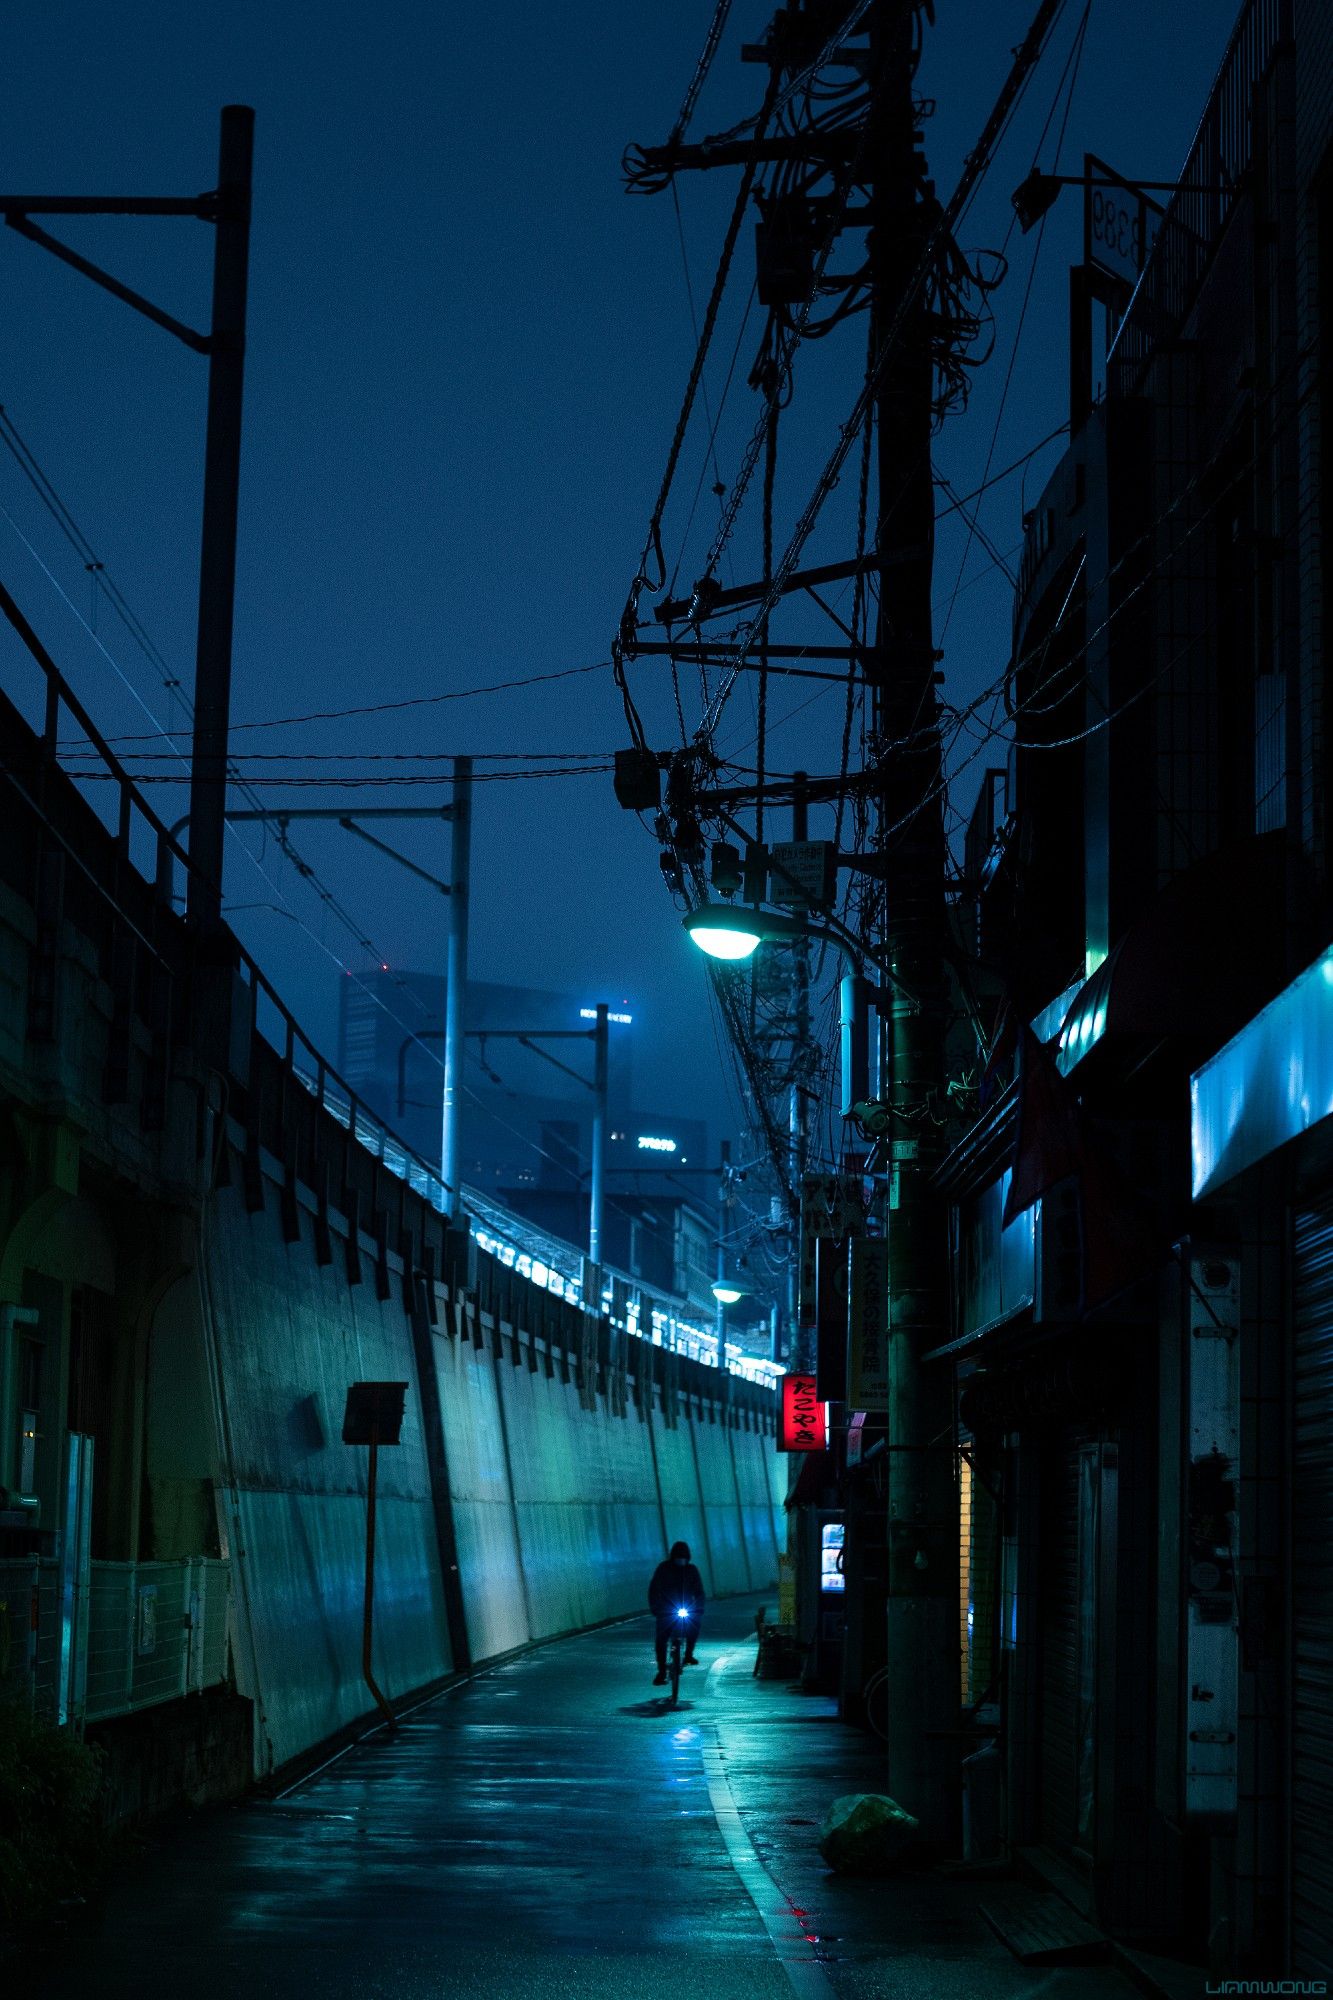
x=1073 y=62
x=347 y=781
x=55 y=505
x=976 y=166
x=392 y=707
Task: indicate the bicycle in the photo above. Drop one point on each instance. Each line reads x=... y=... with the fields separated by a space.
x=675 y=1655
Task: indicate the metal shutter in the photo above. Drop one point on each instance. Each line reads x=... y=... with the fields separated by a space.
x=1312 y=1598
x=1058 y=1626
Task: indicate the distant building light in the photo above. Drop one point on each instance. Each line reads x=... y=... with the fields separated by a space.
x=650 y=1145
x=590 y=1014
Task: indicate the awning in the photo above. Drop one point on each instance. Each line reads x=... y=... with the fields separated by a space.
x=1197 y=964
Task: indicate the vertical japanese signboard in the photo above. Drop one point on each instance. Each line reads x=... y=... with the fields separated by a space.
x=831 y=1318
x=868 y=1324
x=804 y=1422
x=831 y=1208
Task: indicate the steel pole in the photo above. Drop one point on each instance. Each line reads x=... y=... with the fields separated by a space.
x=222 y=476
x=368 y=1612
x=798 y=1120
x=455 y=991
x=601 y=1037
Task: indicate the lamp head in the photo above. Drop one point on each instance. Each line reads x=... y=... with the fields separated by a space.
x=723 y=932
x=1038 y=193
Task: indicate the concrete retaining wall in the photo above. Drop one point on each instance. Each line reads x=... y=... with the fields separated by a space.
x=565 y=1481
x=204 y=1241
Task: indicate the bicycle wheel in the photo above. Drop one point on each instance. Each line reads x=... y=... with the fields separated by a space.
x=674 y=1669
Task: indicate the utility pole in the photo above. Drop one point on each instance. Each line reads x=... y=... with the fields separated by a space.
x=222 y=479
x=922 y=1609
x=455 y=992
x=909 y=229
x=798 y=1109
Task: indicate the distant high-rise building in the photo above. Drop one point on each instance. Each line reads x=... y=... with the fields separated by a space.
x=527 y=1111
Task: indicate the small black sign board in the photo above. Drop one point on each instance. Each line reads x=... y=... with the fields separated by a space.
x=374 y=1412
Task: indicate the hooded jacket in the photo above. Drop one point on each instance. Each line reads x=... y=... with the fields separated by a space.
x=675 y=1584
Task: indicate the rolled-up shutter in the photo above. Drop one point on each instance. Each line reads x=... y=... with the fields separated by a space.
x=1312 y=1597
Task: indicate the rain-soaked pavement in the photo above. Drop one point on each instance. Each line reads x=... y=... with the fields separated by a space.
x=550 y=1831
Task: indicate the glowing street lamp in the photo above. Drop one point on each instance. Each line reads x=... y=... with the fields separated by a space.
x=728 y=1293
x=725 y=932
x=731 y=934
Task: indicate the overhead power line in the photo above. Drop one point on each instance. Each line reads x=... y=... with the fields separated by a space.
x=974 y=171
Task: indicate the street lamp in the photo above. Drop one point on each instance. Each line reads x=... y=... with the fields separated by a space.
x=733 y=940
x=732 y=934
x=728 y=1293
x=727 y=933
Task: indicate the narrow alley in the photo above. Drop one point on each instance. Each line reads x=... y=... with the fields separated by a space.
x=549 y=1828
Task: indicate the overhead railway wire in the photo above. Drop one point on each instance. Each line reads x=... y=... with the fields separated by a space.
x=104 y=583
x=388 y=707
x=283 y=905
x=349 y=781
x=144 y=639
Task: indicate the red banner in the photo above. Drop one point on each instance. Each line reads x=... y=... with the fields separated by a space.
x=804 y=1425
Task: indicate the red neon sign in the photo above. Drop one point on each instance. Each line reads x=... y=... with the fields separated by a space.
x=804 y=1417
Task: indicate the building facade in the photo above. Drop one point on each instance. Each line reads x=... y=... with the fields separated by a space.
x=1142 y=1213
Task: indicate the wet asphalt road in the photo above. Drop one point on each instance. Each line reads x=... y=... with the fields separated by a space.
x=552 y=1831
x=544 y=1831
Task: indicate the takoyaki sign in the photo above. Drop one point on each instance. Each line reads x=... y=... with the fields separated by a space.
x=804 y=1425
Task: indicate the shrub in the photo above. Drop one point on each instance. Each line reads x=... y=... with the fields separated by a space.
x=52 y=1846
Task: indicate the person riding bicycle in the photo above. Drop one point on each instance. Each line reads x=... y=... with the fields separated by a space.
x=676 y=1585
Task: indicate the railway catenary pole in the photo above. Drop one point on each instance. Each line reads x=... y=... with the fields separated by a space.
x=222 y=478
x=922 y=1602
x=455 y=991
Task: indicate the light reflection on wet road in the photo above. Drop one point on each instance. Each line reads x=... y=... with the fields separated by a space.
x=544 y=1831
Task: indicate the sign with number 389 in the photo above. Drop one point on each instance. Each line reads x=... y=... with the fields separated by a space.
x=1119 y=223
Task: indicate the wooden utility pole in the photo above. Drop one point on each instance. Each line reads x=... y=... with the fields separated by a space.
x=922 y=1608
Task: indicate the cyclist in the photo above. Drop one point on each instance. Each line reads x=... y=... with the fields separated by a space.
x=676 y=1583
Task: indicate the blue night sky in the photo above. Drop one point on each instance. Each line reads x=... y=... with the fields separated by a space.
x=467 y=348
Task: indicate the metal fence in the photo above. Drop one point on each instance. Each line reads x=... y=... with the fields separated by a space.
x=140 y=1634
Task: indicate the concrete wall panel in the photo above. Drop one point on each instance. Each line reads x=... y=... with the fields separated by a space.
x=717 y=1484
x=288 y=1338
x=482 y=1506
x=680 y=1497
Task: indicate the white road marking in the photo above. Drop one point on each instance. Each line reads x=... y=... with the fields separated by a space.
x=796 y=1954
